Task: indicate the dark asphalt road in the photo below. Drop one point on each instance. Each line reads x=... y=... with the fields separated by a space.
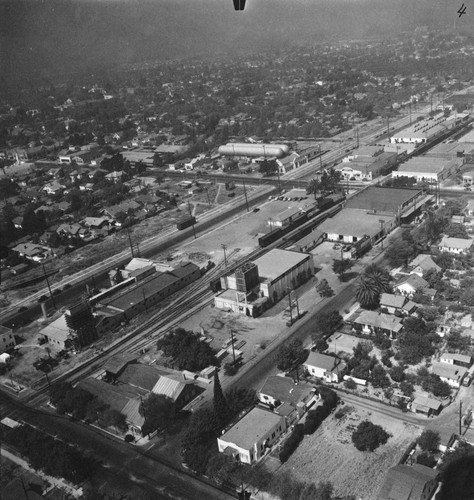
x=120 y=468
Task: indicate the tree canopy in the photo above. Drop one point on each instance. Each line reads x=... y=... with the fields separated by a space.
x=290 y=354
x=368 y=436
x=159 y=412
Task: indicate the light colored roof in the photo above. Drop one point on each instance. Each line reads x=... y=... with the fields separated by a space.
x=417 y=282
x=132 y=413
x=137 y=263
x=462 y=358
x=433 y=404
x=379 y=320
x=382 y=199
x=57 y=330
x=251 y=428
x=170 y=387
x=277 y=262
x=322 y=361
x=424 y=165
x=460 y=243
x=354 y=222
x=425 y=262
x=286 y=214
x=451 y=372
x=391 y=300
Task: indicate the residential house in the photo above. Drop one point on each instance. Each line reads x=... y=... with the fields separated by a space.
x=328 y=368
x=175 y=387
x=117 y=363
x=72 y=231
x=248 y=439
x=456 y=359
x=372 y=322
x=422 y=264
x=455 y=246
x=409 y=482
x=7 y=339
x=277 y=390
x=409 y=285
x=18 y=222
x=451 y=374
x=116 y=176
x=53 y=188
x=31 y=251
x=426 y=406
x=124 y=207
x=396 y=304
x=95 y=222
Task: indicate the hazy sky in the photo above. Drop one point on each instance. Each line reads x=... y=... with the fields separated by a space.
x=62 y=35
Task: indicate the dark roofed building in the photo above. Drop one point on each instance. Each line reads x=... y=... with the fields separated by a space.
x=405 y=482
x=139 y=375
x=278 y=390
x=117 y=363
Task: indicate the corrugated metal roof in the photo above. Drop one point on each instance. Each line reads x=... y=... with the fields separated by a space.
x=169 y=387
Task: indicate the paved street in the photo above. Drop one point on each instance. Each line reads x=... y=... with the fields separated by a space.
x=120 y=467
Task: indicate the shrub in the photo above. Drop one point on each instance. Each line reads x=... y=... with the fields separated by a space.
x=291 y=443
x=230 y=369
x=426 y=459
x=368 y=436
x=350 y=384
x=129 y=438
x=429 y=440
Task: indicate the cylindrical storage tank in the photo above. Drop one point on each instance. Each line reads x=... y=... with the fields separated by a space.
x=244 y=149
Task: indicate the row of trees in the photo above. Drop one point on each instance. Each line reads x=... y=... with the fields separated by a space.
x=49 y=455
x=327 y=182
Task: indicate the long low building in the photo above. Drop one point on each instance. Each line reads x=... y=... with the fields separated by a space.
x=424 y=169
x=351 y=225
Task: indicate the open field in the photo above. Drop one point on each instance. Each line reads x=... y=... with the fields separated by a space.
x=329 y=455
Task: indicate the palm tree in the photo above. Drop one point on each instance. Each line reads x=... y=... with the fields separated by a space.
x=371 y=284
x=379 y=278
x=314 y=187
x=366 y=294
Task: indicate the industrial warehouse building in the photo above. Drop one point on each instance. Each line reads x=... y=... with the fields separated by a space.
x=389 y=201
x=255 y=150
x=430 y=170
x=352 y=225
x=269 y=278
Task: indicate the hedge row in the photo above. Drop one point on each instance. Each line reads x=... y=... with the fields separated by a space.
x=316 y=417
x=292 y=442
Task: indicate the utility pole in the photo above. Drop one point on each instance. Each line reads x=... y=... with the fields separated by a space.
x=144 y=300
x=382 y=222
x=131 y=246
x=279 y=183
x=49 y=287
x=232 y=340
x=245 y=194
x=409 y=104
x=460 y=418
x=357 y=136
x=289 y=302
x=224 y=247
x=297 y=307
x=49 y=383
x=320 y=158
x=388 y=129
x=270 y=223
x=342 y=263
x=208 y=200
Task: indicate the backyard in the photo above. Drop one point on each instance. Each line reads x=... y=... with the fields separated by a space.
x=329 y=455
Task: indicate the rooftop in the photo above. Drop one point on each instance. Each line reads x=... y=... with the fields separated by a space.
x=425 y=262
x=379 y=320
x=354 y=222
x=277 y=262
x=434 y=404
x=322 y=361
x=449 y=371
x=462 y=358
x=118 y=362
x=57 y=330
x=285 y=390
x=424 y=165
x=391 y=300
x=413 y=280
x=251 y=428
x=460 y=243
x=139 y=375
x=382 y=199
x=406 y=482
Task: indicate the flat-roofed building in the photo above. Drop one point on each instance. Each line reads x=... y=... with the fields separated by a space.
x=281 y=270
x=352 y=225
x=286 y=217
x=249 y=438
x=426 y=406
x=431 y=170
x=422 y=130
x=7 y=339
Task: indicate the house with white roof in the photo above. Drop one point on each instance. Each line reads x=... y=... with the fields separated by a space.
x=451 y=374
x=455 y=246
x=411 y=284
x=372 y=322
x=249 y=438
x=456 y=359
x=328 y=368
x=422 y=264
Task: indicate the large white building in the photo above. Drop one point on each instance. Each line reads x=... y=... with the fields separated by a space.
x=423 y=130
x=425 y=169
x=251 y=436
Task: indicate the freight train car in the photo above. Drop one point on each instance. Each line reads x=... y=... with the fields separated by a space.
x=186 y=222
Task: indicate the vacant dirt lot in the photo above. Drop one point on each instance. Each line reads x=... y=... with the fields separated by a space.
x=329 y=455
